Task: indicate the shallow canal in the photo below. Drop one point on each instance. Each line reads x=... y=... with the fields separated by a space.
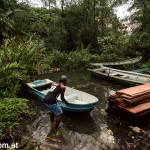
x=100 y=129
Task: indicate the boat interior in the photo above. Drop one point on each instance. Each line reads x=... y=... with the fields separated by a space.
x=131 y=76
x=72 y=95
x=71 y=98
x=74 y=99
x=79 y=97
x=43 y=87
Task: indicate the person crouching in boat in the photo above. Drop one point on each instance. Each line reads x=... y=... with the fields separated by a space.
x=50 y=100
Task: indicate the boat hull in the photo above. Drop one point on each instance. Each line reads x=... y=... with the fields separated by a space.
x=75 y=107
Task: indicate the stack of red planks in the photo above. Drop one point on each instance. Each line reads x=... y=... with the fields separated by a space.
x=134 y=100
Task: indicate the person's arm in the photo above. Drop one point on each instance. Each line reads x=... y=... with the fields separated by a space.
x=62 y=94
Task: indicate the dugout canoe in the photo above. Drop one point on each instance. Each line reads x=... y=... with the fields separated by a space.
x=121 y=76
x=116 y=64
x=78 y=101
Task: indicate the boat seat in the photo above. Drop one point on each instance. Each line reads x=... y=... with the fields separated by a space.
x=45 y=91
x=39 y=83
x=74 y=99
x=127 y=77
x=70 y=98
x=101 y=70
x=116 y=74
x=79 y=102
x=120 y=75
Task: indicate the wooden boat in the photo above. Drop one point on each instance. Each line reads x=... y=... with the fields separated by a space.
x=116 y=64
x=121 y=76
x=78 y=101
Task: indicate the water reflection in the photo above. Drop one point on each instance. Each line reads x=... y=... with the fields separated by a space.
x=78 y=122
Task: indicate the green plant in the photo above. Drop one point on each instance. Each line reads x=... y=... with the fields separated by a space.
x=74 y=60
x=148 y=63
x=12 y=110
x=18 y=60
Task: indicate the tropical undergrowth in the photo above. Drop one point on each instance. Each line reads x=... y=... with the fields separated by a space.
x=12 y=111
x=74 y=60
x=80 y=59
x=137 y=65
x=19 y=60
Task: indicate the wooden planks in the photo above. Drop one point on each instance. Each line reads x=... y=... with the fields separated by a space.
x=134 y=100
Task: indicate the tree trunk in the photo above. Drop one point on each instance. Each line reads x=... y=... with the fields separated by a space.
x=49 y=6
x=1 y=37
x=62 y=8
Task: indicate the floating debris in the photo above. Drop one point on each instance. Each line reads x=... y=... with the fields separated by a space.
x=135 y=129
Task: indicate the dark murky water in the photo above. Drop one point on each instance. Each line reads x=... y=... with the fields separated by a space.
x=98 y=130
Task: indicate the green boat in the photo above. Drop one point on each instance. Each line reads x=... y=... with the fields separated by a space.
x=78 y=101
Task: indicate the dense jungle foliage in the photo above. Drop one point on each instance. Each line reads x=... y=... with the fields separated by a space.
x=12 y=110
x=70 y=35
x=139 y=19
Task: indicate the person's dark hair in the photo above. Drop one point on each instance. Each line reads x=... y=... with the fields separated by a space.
x=63 y=78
